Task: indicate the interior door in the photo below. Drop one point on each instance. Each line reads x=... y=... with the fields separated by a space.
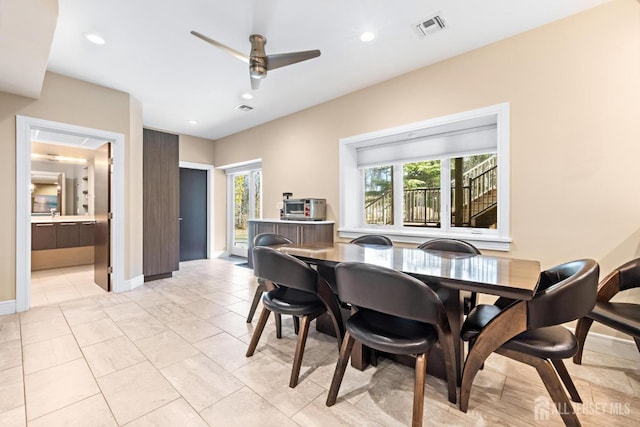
x=193 y=214
x=102 y=208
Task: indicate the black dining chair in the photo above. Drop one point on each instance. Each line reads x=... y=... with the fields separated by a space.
x=268 y=239
x=300 y=292
x=373 y=239
x=393 y=313
x=329 y=273
x=621 y=316
x=531 y=332
x=460 y=246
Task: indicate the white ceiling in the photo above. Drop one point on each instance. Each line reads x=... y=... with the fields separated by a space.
x=150 y=53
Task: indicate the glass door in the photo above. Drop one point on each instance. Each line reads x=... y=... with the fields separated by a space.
x=245 y=204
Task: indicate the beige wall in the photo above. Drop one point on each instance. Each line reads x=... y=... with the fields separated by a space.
x=575 y=133
x=78 y=103
x=196 y=150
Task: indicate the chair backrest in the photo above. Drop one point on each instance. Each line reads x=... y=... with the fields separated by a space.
x=373 y=239
x=270 y=239
x=283 y=269
x=450 y=245
x=565 y=293
x=388 y=291
x=629 y=274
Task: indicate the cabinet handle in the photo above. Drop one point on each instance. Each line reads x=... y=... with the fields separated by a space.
x=67 y=223
x=44 y=225
x=88 y=223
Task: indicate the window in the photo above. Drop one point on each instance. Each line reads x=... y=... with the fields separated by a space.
x=446 y=177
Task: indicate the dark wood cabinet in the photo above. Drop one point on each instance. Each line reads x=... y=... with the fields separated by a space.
x=66 y=234
x=161 y=204
x=300 y=232
x=85 y=233
x=43 y=236
x=58 y=235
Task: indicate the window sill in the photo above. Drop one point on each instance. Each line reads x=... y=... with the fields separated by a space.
x=487 y=241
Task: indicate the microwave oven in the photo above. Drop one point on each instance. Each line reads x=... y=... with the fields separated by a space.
x=304 y=209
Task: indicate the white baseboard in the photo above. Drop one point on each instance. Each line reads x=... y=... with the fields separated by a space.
x=612 y=346
x=218 y=254
x=7 y=307
x=130 y=284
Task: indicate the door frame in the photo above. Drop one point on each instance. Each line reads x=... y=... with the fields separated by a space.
x=231 y=172
x=210 y=211
x=24 y=126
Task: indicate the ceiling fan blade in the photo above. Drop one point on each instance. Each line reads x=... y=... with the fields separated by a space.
x=255 y=83
x=227 y=49
x=281 y=59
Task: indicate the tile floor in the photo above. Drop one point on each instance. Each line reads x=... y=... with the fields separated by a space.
x=171 y=353
x=63 y=284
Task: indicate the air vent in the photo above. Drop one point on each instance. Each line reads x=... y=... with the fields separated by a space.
x=243 y=107
x=430 y=26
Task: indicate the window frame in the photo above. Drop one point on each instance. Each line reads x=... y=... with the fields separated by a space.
x=352 y=195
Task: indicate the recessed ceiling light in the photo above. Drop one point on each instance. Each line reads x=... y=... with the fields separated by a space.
x=246 y=95
x=192 y=122
x=367 y=36
x=94 y=38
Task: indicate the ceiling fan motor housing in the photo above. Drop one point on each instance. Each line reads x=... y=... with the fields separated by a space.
x=258 y=58
x=258 y=67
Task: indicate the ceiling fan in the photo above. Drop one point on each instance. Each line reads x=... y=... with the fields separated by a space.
x=259 y=62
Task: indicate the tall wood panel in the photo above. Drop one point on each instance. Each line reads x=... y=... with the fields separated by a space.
x=161 y=204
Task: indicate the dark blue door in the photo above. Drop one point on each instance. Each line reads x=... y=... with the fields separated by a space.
x=193 y=214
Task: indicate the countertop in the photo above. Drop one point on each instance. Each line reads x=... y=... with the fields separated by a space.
x=65 y=218
x=290 y=221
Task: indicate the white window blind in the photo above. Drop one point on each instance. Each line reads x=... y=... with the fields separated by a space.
x=242 y=167
x=475 y=140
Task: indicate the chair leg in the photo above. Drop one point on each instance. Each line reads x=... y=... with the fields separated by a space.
x=256 y=299
x=296 y=324
x=551 y=382
x=637 y=340
x=341 y=366
x=258 y=331
x=582 y=329
x=418 y=390
x=297 y=359
x=373 y=357
x=278 y=325
x=510 y=323
x=566 y=380
x=559 y=397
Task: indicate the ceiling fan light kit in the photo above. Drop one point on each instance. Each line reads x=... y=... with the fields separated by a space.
x=259 y=62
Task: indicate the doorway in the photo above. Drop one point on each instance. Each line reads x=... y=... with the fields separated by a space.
x=26 y=128
x=244 y=203
x=70 y=232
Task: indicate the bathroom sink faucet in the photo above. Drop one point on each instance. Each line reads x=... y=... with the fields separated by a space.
x=53 y=212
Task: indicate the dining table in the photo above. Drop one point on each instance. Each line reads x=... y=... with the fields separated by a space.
x=448 y=273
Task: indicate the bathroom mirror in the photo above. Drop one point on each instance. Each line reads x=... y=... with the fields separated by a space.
x=47 y=193
x=61 y=179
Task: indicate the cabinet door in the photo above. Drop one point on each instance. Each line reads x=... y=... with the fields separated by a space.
x=320 y=234
x=85 y=234
x=43 y=236
x=290 y=231
x=66 y=234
